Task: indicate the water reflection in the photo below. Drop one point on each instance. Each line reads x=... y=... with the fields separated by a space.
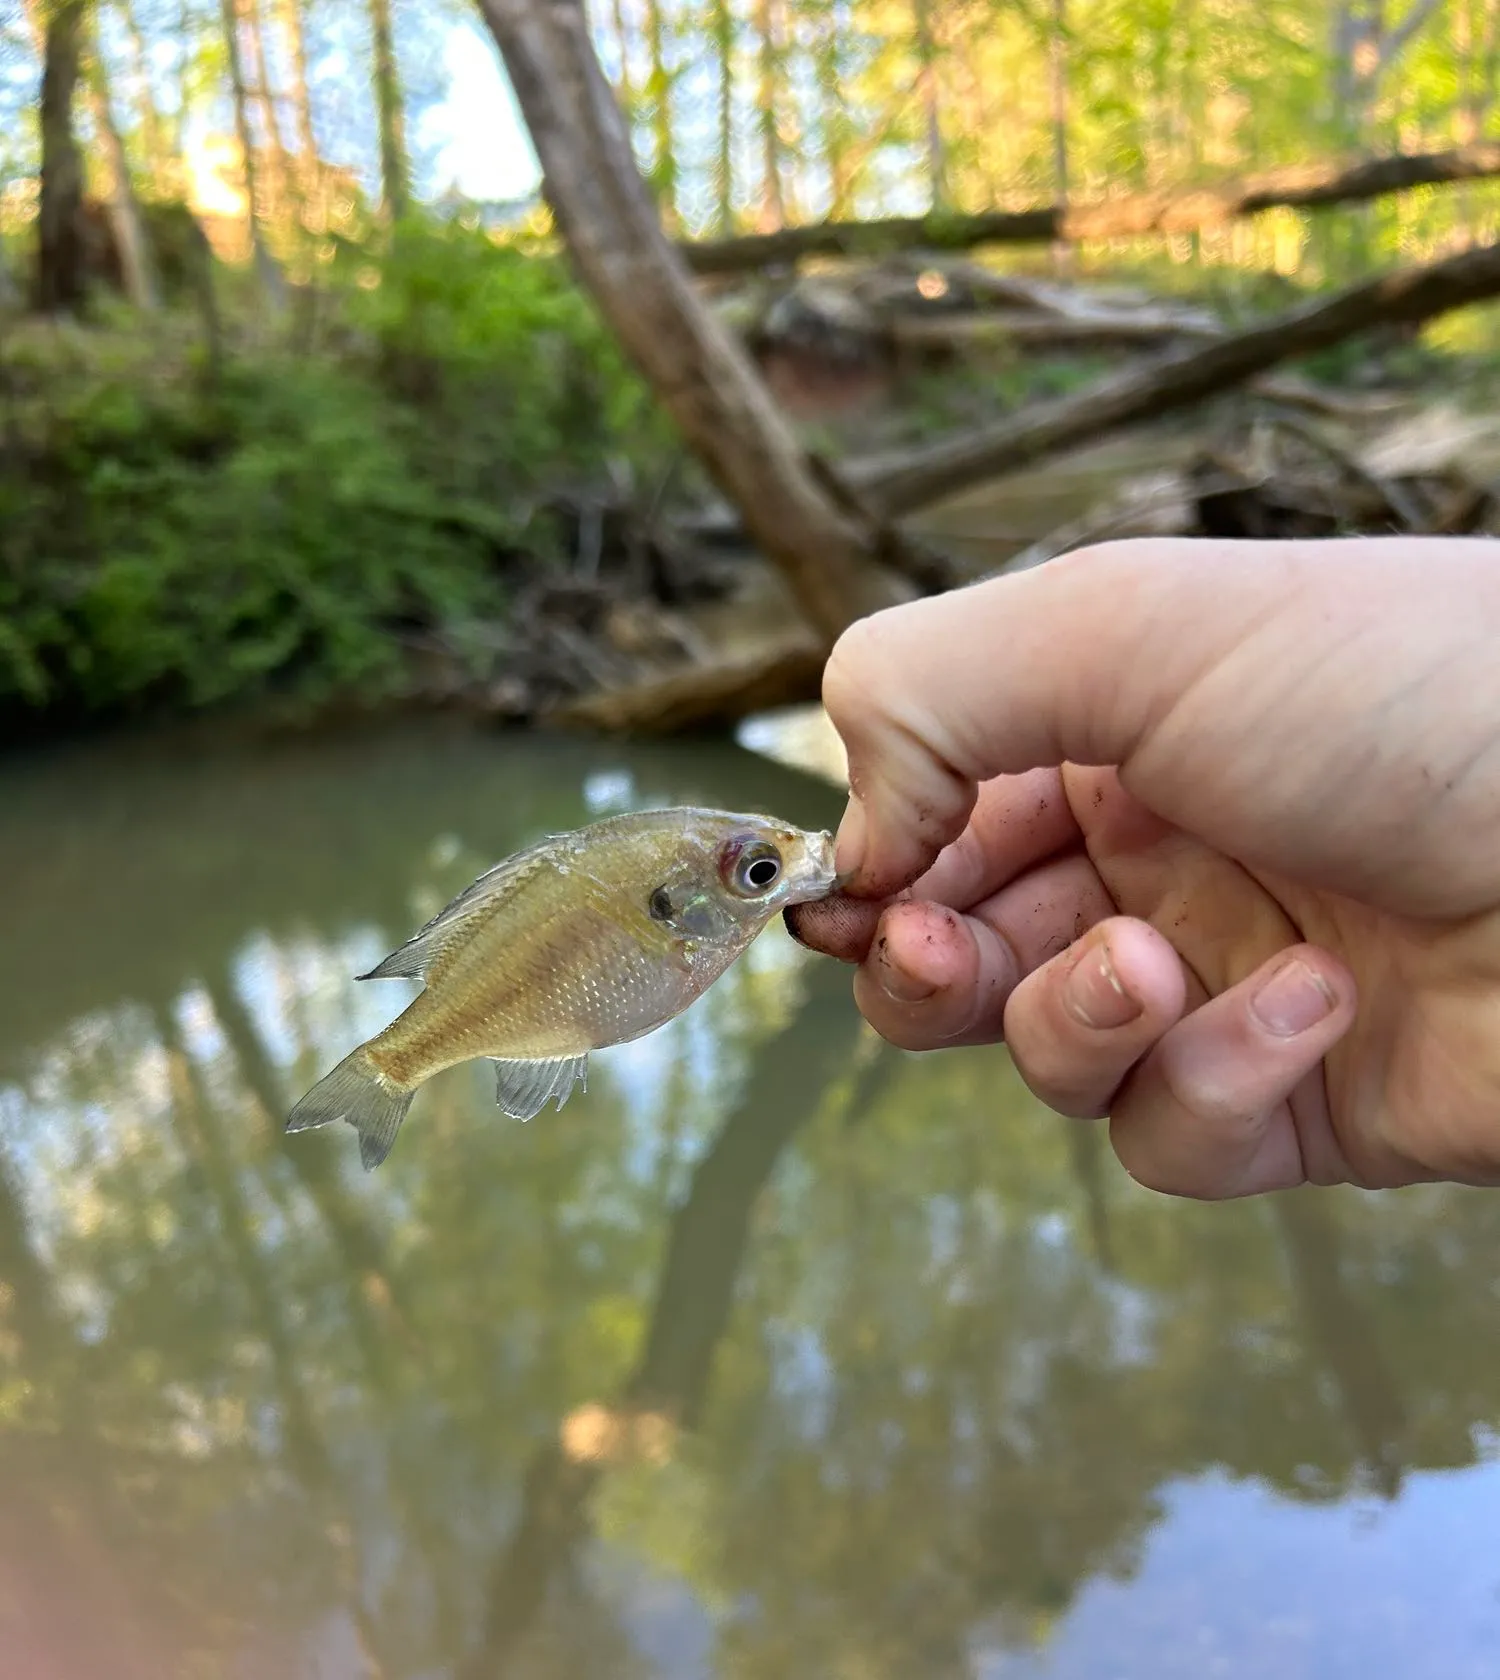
x=779 y=1354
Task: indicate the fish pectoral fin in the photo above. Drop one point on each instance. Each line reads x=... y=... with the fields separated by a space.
x=523 y=1089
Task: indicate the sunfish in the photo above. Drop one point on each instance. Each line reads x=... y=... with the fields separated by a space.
x=581 y=941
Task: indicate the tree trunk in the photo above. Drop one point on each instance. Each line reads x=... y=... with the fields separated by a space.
x=703 y=378
x=1302 y=186
x=625 y=85
x=1489 y=64
x=773 y=195
x=308 y=163
x=137 y=269
x=723 y=33
x=784 y=672
x=1057 y=70
x=659 y=94
x=282 y=197
x=265 y=265
x=183 y=69
x=395 y=169
x=153 y=131
x=895 y=487
x=927 y=87
x=60 y=281
x=833 y=101
x=1363 y=49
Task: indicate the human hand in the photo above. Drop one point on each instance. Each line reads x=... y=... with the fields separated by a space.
x=1209 y=833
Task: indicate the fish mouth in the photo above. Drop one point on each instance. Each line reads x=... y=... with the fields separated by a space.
x=818 y=875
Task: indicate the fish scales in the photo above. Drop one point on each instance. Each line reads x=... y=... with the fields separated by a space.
x=582 y=941
x=553 y=996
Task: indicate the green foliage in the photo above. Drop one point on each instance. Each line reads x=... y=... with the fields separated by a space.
x=172 y=538
x=501 y=341
x=174 y=545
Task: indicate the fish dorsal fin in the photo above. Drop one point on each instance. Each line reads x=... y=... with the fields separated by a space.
x=412 y=960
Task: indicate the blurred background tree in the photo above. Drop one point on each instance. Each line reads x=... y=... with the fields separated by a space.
x=280 y=120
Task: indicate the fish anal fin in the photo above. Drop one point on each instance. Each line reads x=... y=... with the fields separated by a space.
x=524 y=1088
x=412 y=960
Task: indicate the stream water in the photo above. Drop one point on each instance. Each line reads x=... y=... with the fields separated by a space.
x=777 y=1355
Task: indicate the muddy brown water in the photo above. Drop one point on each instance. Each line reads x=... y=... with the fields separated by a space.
x=778 y=1354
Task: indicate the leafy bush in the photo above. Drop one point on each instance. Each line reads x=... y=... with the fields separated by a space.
x=498 y=346
x=170 y=538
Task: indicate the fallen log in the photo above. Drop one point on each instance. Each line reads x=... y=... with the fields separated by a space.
x=784 y=672
x=893 y=486
x=1185 y=210
x=718 y=525
x=1036 y=330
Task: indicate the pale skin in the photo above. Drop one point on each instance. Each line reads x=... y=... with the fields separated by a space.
x=1209 y=834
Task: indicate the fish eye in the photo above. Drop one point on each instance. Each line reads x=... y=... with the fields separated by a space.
x=750 y=868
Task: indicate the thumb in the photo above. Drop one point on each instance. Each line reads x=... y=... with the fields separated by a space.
x=1076 y=661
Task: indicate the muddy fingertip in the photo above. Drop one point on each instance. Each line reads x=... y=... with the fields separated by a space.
x=837 y=926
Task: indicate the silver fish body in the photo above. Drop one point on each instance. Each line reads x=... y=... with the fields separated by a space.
x=582 y=941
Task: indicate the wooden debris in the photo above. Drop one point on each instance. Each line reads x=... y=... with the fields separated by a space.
x=604 y=652
x=701 y=696
x=1281 y=477
x=894 y=487
x=639 y=633
x=1036 y=329
x=1191 y=209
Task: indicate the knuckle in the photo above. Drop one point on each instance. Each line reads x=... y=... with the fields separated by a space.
x=1215 y=1097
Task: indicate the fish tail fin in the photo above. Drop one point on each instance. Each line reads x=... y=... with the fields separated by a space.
x=358 y=1092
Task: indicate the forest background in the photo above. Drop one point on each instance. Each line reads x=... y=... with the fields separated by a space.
x=298 y=388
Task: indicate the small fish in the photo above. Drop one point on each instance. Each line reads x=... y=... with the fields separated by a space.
x=581 y=941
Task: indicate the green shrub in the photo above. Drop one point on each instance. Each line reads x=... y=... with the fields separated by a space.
x=504 y=356
x=179 y=547
x=168 y=538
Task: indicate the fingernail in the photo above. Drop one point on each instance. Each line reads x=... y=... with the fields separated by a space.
x=849 y=846
x=1094 y=995
x=1292 y=999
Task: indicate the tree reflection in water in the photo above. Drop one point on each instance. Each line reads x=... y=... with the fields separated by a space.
x=832 y=1360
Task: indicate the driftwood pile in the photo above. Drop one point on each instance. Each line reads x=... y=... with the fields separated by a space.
x=830 y=345
x=654 y=626
x=623 y=601
x=1275 y=472
x=668 y=616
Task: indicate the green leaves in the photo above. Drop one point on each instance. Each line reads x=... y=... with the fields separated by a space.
x=171 y=543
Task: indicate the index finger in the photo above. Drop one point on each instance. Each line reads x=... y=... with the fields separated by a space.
x=1016 y=823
